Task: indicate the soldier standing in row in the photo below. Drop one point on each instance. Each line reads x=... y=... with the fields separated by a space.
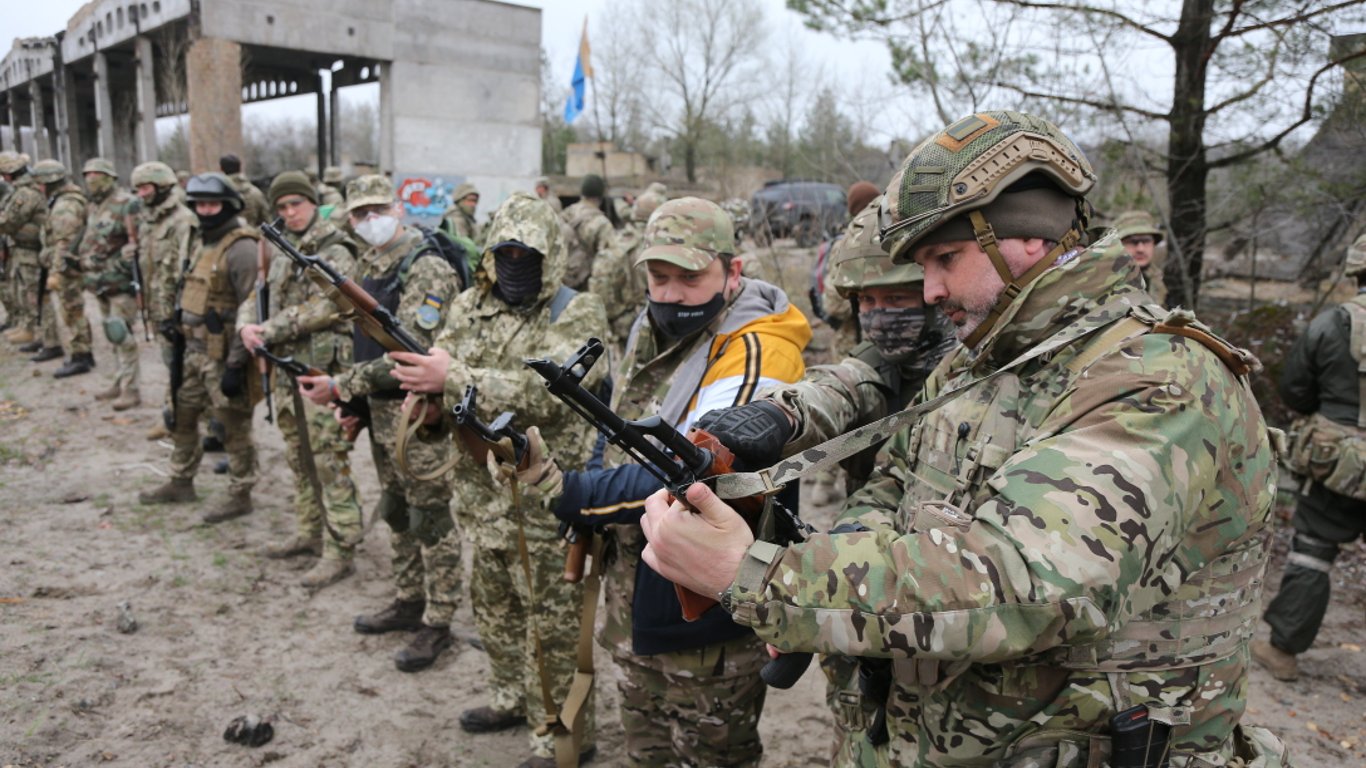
x=255 y=209
x=166 y=236
x=220 y=276
x=417 y=286
x=458 y=220
x=107 y=272
x=303 y=324
x=61 y=241
x=616 y=280
x=1323 y=376
x=6 y=297
x=21 y=219
x=330 y=190
x=593 y=232
x=1102 y=481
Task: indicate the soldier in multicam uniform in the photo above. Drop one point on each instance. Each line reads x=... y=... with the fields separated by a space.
x=1323 y=377
x=543 y=192
x=166 y=236
x=903 y=342
x=827 y=301
x=255 y=209
x=691 y=692
x=593 y=232
x=61 y=260
x=418 y=286
x=303 y=324
x=1139 y=235
x=517 y=309
x=21 y=220
x=219 y=277
x=107 y=272
x=616 y=280
x=1081 y=533
x=458 y=220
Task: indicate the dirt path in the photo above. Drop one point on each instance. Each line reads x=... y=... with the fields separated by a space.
x=224 y=632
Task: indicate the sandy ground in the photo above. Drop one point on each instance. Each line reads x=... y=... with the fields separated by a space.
x=225 y=632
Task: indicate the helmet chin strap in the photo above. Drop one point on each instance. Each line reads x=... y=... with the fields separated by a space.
x=986 y=238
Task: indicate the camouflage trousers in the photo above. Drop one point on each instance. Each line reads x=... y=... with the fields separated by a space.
x=71 y=299
x=24 y=274
x=694 y=708
x=200 y=393
x=426 y=542
x=332 y=462
x=127 y=374
x=511 y=618
x=853 y=713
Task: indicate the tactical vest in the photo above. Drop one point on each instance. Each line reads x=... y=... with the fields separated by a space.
x=29 y=234
x=75 y=194
x=1324 y=451
x=388 y=292
x=208 y=292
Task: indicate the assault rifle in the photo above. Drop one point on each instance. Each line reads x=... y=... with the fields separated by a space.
x=681 y=462
x=359 y=408
x=139 y=286
x=375 y=321
x=262 y=315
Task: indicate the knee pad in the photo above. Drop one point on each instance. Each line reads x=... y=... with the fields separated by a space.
x=393 y=510
x=1312 y=553
x=115 y=329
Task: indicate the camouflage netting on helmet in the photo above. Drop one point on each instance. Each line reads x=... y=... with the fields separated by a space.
x=859 y=261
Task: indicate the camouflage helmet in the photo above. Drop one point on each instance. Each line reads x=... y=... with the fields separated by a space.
x=156 y=173
x=525 y=220
x=1355 y=264
x=371 y=189
x=646 y=205
x=332 y=175
x=12 y=162
x=689 y=232
x=99 y=165
x=48 y=171
x=859 y=262
x=967 y=166
x=213 y=186
x=1132 y=223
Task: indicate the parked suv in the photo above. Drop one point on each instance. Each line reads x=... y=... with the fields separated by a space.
x=805 y=210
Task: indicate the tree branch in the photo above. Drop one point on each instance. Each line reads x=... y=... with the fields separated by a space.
x=1092 y=103
x=1297 y=19
x=1106 y=12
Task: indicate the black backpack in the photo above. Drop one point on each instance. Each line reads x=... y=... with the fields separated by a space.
x=438 y=243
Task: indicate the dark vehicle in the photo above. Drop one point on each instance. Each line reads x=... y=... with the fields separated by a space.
x=807 y=211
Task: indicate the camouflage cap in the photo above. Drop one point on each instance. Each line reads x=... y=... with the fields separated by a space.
x=155 y=172
x=99 y=165
x=967 y=165
x=526 y=220
x=463 y=191
x=1355 y=263
x=11 y=162
x=689 y=232
x=1132 y=223
x=332 y=175
x=372 y=189
x=859 y=262
x=48 y=171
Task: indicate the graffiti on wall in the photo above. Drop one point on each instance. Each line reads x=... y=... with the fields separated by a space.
x=424 y=196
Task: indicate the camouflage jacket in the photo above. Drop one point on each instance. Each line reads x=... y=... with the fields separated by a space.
x=107 y=271
x=1096 y=516
x=488 y=340
x=618 y=283
x=255 y=208
x=166 y=236
x=461 y=224
x=428 y=290
x=593 y=235
x=62 y=230
x=302 y=322
x=21 y=217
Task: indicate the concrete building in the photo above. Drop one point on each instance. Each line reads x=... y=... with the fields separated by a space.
x=459 y=84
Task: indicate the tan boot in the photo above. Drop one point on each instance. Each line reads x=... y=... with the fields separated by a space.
x=109 y=394
x=327 y=572
x=19 y=336
x=173 y=491
x=1280 y=664
x=293 y=547
x=158 y=432
x=237 y=505
x=131 y=398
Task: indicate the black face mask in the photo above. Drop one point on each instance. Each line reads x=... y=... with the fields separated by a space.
x=678 y=321
x=896 y=332
x=161 y=195
x=519 y=277
x=211 y=223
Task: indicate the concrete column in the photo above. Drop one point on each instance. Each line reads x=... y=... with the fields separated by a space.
x=321 y=100
x=14 y=129
x=104 y=109
x=213 y=73
x=145 y=112
x=333 y=126
x=37 y=117
x=386 y=118
x=4 y=145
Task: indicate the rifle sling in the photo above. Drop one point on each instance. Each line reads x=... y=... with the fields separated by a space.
x=310 y=465
x=569 y=730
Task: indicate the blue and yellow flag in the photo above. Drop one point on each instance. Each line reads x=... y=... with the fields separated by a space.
x=583 y=69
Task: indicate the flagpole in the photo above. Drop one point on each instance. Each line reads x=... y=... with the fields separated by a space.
x=597 y=119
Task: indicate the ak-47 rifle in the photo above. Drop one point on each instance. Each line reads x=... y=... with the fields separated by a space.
x=359 y=408
x=681 y=462
x=493 y=433
x=375 y=321
x=262 y=315
x=139 y=286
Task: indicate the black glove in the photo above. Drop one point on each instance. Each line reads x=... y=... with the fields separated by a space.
x=169 y=330
x=234 y=381
x=755 y=433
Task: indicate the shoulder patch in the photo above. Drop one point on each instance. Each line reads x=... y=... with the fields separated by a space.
x=428 y=317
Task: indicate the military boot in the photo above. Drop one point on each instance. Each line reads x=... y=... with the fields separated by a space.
x=237 y=505
x=1280 y=664
x=131 y=398
x=173 y=491
x=426 y=645
x=48 y=353
x=158 y=432
x=549 y=762
x=32 y=346
x=398 y=615
x=327 y=572
x=489 y=720
x=19 y=336
x=109 y=394
x=79 y=363
x=293 y=547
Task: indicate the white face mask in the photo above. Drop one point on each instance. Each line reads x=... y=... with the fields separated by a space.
x=377 y=229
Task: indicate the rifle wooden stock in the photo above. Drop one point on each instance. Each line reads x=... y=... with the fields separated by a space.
x=576 y=559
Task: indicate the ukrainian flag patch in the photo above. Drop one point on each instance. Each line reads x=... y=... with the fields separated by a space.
x=429 y=313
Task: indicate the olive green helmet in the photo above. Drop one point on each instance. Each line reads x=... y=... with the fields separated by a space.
x=99 y=165
x=689 y=232
x=12 y=162
x=48 y=171
x=1356 y=258
x=859 y=262
x=155 y=173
